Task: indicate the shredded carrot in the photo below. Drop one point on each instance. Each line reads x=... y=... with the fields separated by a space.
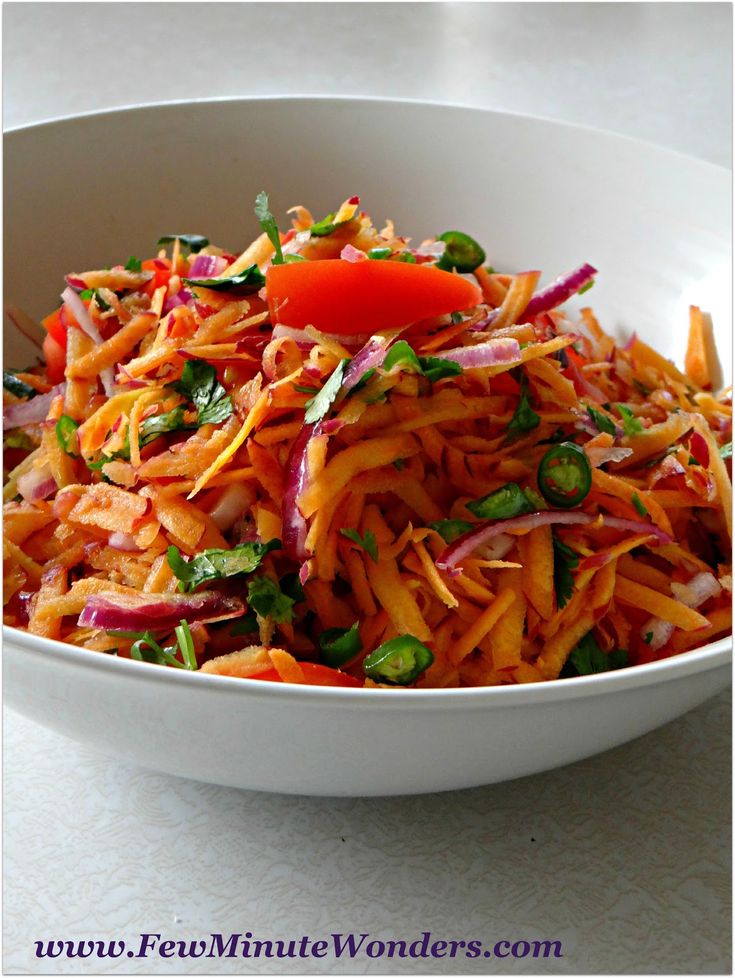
x=195 y=468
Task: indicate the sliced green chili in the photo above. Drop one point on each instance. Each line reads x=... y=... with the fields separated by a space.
x=339 y=645
x=565 y=475
x=462 y=252
x=399 y=661
x=505 y=502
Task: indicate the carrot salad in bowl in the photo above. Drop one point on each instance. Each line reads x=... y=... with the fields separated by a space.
x=344 y=460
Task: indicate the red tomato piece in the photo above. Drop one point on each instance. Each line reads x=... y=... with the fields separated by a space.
x=55 y=355
x=55 y=327
x=351 y=298
x=315 y=675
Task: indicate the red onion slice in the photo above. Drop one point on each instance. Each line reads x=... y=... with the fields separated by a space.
x=559 y=291
x=37 y=484
x=368 y=358
x=352 y=254
x=123 y=541
x=498 y=351
x=463 y=546
x=699 y=448
x=79 y=311
x=31 y=412
x=297 y=467
x=122 y=612
x=207 y=266
x=615 y=523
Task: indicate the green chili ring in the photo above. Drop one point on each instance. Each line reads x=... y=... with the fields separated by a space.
x=399 y=661
x=462 y=252
x=565 y=475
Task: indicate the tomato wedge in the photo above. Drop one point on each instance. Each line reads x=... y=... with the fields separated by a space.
x=55 y=356
x=315 y=675
x=352 y=298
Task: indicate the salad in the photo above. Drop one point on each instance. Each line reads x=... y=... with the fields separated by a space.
x=342 y=459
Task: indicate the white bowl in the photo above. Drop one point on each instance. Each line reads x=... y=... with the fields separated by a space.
x=91 y=190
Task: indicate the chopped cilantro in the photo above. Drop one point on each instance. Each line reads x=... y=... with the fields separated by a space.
x=648 y=638
x=319 y=405
x=212 y=565
x=400 y=464
x=268 y=223
x=602 y=421
x=368 y=542
x=145 y=648
x=631 y=424
x=246 y=282
x=303 y=389
x=95 y=294
x=133 y=264
x=726 y=450
x=402 y=356
x=267 y=599
x=565 y=561
x=524 y=417
x=588 y=658
x=587 y=287
x=160 y=424
x=199 y=385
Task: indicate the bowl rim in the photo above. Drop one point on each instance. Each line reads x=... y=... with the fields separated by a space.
x=324 y=97
x=706 y=658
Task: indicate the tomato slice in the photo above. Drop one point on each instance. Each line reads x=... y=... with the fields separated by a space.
x=351 y=298
x=315 y=675
x=54 y=326
x=55 y=355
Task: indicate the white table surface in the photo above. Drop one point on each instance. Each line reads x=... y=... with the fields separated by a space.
x=623 y=857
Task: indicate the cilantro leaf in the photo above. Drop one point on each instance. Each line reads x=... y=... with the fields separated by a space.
x=17 y=387
x=317 y=406
x=246 y=282
x=211 y=565
x=146 y=648
x=133 y=264
x=588 y=658
x=368 y=542
x=160 y=424
x=199 y=385
x=565 y=561
x=524 y=417
x=451 y=530
x=587 y=287
x=268 y=223
x=267 y=599
x=631 y=424
x=402 y=356
x=602 y=421
x=436 y=368
x=95 y=294
x=648 y=638
x=194 y=242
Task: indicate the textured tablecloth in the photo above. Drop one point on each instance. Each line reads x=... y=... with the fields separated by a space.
x=624 y=858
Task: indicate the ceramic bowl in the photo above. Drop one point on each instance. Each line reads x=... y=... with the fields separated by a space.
x=83 y=191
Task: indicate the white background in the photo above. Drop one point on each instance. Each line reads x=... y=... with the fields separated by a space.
x=624 y=857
